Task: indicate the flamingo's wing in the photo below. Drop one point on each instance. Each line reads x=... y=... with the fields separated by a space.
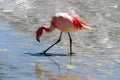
x=77 y=22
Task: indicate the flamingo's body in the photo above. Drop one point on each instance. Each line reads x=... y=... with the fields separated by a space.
x=65 y=23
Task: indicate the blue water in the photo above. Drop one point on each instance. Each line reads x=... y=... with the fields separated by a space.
x=19 y=54
x=97 y=55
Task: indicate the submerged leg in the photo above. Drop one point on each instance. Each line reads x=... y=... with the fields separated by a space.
x=70 y=44
x=53 y=44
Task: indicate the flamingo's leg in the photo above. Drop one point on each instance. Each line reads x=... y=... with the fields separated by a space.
x=70 y=44
x=54 y=43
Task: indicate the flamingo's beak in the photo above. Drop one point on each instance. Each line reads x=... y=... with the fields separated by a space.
x=38 y=34
x=37 y=38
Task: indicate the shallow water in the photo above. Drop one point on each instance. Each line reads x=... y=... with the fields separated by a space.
x=98 y=52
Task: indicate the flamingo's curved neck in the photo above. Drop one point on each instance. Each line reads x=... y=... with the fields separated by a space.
x=45 y=28
x=39 y=32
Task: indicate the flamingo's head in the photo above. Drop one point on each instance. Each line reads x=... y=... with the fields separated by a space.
x=39 y=33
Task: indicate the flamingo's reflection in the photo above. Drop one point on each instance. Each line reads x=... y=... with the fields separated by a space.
x=65 y=76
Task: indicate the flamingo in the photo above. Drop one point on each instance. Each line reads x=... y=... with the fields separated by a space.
x=65 y=22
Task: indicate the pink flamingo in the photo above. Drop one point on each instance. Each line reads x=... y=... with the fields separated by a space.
x=65 y=22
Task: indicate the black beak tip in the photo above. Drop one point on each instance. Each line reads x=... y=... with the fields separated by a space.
x=38 y=40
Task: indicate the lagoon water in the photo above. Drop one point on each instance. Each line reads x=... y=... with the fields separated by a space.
x=98 y=52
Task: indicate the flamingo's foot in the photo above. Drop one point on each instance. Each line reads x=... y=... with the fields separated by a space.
x=71 y=54
x=43 y=52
